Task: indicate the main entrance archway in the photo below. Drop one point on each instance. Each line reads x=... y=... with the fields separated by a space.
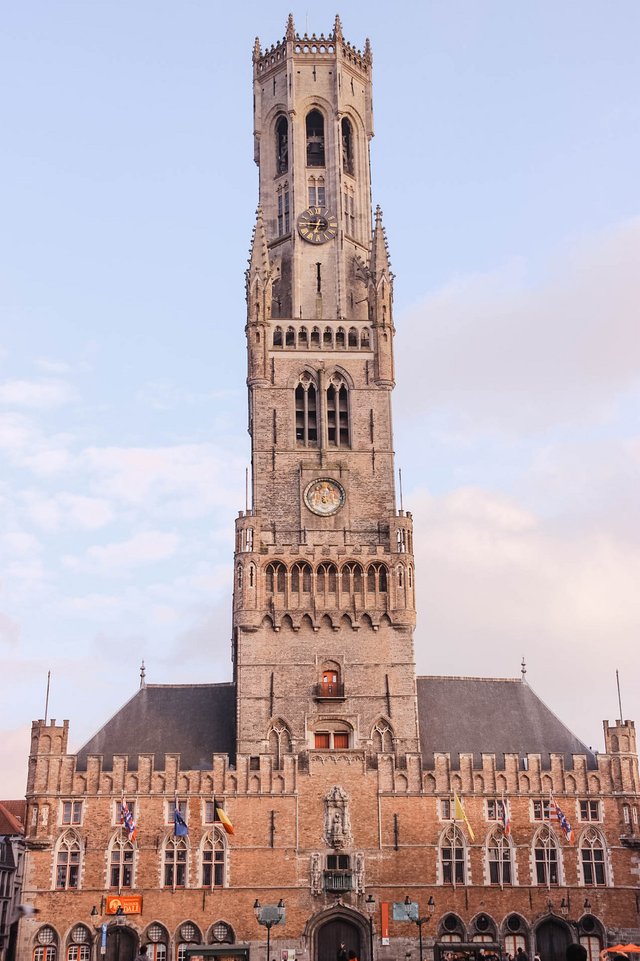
x=339 y=925
x=552 y=939
x=121 y=944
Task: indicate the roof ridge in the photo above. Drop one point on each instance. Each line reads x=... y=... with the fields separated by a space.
x=466 y=677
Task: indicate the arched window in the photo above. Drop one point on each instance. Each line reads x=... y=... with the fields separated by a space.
x=451 y=929
x=301 y=578
x=376 y=578
x=499 y=859
x=46 y=944
x=337 y=412
x=352 y=578
x=189 y=933
x=279 y=739
x=157 y=941
x=591 y=936
x=175 y=862
x=452 y=856
x=592 y=859
x=315 y=139
x=239 y=577
x=340 y=338
x=275 y=577
x=306 y=412
x=327 y=578
x=327 y=337
x=315 y=337
x=121 y=862
x=347 y=146
x=290 y=337
x=514 y=935
x=222 y=933
x=365 y=338
x=277 y=337
x=382 y=738
x=68 y=862
x=212 y=860
x=282 y=145
x=545 y=852
x=80 y=944
x=303 y=338
x=353 y=337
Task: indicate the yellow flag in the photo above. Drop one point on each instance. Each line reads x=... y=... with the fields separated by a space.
x=459 y=813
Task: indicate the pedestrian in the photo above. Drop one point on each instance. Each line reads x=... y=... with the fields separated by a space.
x=342 y=952
x=521 y=955
x=142 y=953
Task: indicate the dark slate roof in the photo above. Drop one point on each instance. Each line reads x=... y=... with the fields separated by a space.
x=192 y=720
x=475 y=715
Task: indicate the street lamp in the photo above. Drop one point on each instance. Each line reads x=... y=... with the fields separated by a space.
x=267 y=916
x=370 y=905
x=564 y=908
x=431 y=906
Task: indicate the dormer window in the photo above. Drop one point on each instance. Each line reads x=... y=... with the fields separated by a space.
x=315 y=139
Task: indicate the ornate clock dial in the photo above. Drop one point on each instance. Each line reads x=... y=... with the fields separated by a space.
x=324 y=496
x=317 y=225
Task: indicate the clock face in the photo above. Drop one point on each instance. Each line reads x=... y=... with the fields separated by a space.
x=324 y=496
x=317 y=225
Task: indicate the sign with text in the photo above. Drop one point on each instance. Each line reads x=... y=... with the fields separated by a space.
x=124 y=904
x=405 y=912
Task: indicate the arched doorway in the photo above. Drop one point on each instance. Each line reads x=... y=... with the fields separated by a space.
x=333 y=933
x=552 y=939
x=121 y=943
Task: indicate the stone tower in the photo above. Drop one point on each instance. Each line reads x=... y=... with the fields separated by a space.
x=324 y=597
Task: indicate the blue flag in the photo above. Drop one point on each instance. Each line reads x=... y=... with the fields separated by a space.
x=180 y=828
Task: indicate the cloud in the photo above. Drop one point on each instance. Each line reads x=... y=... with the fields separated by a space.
x=145 y=547
x=505 y=351
x=36 y=394
x=65 y=510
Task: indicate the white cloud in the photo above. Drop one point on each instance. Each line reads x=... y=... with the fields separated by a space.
x=503 y=351
x=145 y=547
x=36 y=394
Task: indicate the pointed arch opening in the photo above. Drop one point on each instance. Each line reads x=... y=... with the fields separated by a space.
x=306 y=411
x=279 y=741
x=546 y=858
x=348 y=163
x=68 y=857
x=282 y=145
x=315 y=139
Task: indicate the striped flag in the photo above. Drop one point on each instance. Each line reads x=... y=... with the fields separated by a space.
x=222 y=817
x=561 y=818
x=126 y=818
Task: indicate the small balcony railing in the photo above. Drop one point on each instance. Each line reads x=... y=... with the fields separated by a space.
x=338 y=881
x=329 y=692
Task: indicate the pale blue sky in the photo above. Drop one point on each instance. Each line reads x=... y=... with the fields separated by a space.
x=506 y=161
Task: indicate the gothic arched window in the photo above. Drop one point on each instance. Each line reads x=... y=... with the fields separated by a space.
x=347 y=146
x=279 y=739
x=545 y=852
x=157 y=941
x=376 y=578
x=382 y=738
x=306 y=412
x=121 y=862
x=282 y=145
x=315 y=139
x=499 y=859
x=592 y=859
x=301 y=578
x=303 y=337
x=352 y=576
x=277 y=337
x=290 y=337
x=175 y=862
x=452 y=856
x=188 y=934
x=68 y=861
x=364 y=338
x=212 y=859
x=337 y=412
x=80 y=947
x=47 y=944
x=327 y=578
x=353 y=337
x=340 y=337
x=275 y=577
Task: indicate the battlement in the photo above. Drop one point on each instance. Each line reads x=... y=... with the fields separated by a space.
x=316 y=45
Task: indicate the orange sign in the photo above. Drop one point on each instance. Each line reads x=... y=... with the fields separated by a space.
x=130 y=904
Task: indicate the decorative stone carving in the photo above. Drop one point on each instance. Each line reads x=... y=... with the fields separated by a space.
x=358 y=874
x=316 y=874
x=337 y=823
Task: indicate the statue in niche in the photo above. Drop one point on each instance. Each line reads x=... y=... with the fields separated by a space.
x=337 y=823
x=316 y=874
x=359 y=873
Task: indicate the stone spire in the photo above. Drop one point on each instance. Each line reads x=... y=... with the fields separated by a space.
x=291 y=29
x=258 y=273
x=368 y=55
x=337 y=29
x=257 y=52
x=380 y=263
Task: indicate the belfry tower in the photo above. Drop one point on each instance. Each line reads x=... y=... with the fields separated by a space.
x=324 y=597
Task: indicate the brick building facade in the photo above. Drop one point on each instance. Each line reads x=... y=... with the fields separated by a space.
x=337 y=765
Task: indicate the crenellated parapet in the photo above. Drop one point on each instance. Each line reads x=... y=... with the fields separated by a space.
x=317 y=46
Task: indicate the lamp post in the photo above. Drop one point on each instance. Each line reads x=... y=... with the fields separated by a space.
x=431 y=906
x=370 y=905
x=267 y=916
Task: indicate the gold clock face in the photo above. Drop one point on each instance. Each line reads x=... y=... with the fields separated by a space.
x=317 y=225
x=324 y=496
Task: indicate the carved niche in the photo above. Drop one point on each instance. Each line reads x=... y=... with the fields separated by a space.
x=337 y=823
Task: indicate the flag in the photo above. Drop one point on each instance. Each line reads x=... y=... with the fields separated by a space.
x=126 y=818
x=505 y=817
x=222 y=817
x=556 y=813
x=180 y=827
x=459 y=813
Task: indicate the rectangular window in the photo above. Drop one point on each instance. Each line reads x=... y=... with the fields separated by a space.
x=117 y=811
x=286 y=212
x=338 y=862
x=121 y=867
x=448 y=866
x=322 y=740
x=340 y=740
x=209 y=812
x=72 y=812
x=589 y=810
x=540 y=810
x=500 y=871
x=171 y=810
x=445 y=809
x=495 y=810
x=546 y=866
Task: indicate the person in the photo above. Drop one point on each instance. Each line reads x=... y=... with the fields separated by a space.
x=352 y=956
x=521 y=955
x=576 y=952
x=342 y=952
x=142 y=953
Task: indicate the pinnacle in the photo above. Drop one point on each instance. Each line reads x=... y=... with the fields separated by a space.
x=257 y=52
x=291 y=30
x=337 y=28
